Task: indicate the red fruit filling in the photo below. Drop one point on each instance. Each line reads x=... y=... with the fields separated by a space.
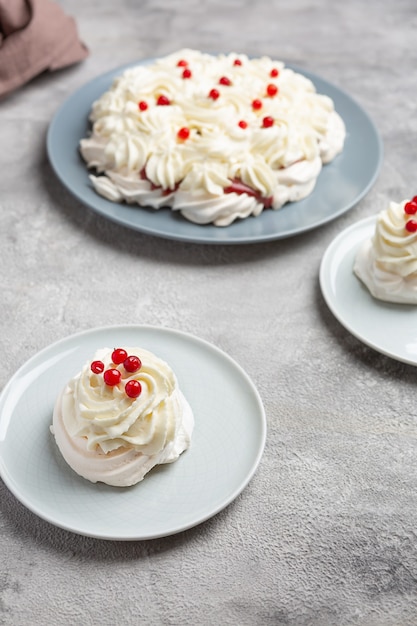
x=240 y=187
x=236 y=186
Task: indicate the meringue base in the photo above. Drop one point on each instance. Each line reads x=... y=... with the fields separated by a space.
x=123 y=467
x=382 y=284
x=294 y=183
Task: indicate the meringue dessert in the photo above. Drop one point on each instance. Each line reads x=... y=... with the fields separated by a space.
x=387 y=262
x=215 y=138
x=120 y=416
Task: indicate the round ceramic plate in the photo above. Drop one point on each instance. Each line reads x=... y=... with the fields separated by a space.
x=386 y=327
x=227 y=444
x=340 y=186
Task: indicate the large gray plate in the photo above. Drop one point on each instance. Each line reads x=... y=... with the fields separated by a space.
x=226 y=447
x=340 y=186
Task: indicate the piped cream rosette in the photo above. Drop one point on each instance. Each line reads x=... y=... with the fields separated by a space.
x=214 y=137
x=118 y=418
x=387 y=262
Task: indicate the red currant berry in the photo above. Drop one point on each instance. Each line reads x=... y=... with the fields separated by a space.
x=410 y=207
x=163 y=101
x=112 y=377
x=118 y=355
x=97 y=367
x=268 y=121
x=237 y=62
x=133 y=388
x=214 y=94
x=243 y=124
x=142 y=105
x=274 y=72
x=132 y=364
x=414 y=199
x=257 y=104
x=183 y=133
x=272 y=90
x=182 y=63
x=411 y=226
x=187 y=73
x=225 y=81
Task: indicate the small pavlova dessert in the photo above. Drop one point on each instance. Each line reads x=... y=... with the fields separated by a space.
x=387 y=262
x=120 y=416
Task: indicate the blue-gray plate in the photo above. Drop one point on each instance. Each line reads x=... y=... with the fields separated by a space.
x=340 y=186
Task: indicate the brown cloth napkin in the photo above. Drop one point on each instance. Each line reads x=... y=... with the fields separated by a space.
x=35 y=35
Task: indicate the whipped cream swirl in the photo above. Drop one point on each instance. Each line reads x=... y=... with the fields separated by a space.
x=107 y=436
x=387 y=262
x=222 y=102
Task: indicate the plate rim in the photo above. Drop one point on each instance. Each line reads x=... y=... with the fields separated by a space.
x=204 y=238
x=196 y=519
x=360 y=225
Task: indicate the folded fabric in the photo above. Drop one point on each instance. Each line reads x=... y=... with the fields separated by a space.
x=35 y=36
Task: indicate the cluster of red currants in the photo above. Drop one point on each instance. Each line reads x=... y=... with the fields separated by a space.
x=113 y=376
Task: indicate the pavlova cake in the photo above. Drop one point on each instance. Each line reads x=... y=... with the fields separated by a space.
x=214 y=137
x=387 y=262
x=120 y=416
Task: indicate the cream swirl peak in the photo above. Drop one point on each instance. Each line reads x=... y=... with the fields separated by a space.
x=387 y=262
x=120 y=416
x=214 y=137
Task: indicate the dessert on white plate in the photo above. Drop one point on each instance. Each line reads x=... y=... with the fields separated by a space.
x=387 y=262
x=216 y=138
x=120 y=416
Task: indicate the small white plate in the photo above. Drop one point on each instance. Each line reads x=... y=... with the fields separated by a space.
x=386 y=327
x=227 y=444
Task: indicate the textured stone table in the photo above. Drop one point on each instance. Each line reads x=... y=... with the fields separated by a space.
x=325 y=533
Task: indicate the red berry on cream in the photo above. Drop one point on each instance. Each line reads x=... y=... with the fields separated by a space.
x=268 y=121
x=132 y=364
x=411 y=226
x=163 y=101
x=112 y=377
x=410 y=208
x=118 y=355
x=214 y=94
x=133 y=388
x=97 y=367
